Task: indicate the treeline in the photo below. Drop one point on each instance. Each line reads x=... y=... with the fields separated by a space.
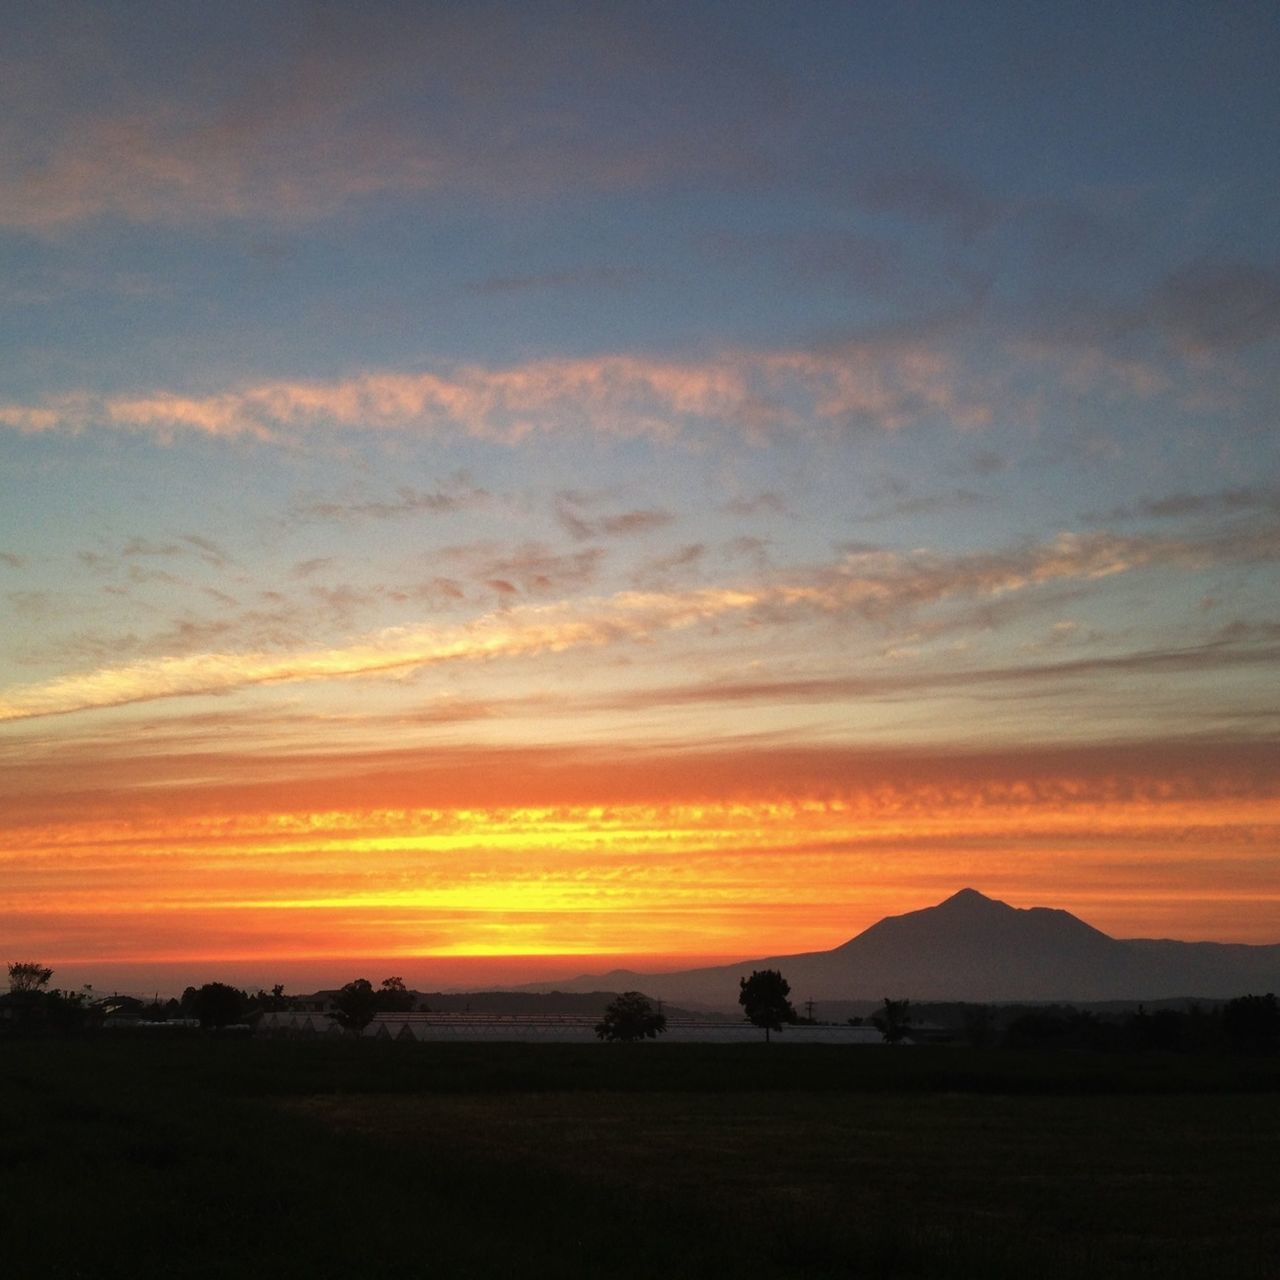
x=1249 y=1023
x=32 y=1006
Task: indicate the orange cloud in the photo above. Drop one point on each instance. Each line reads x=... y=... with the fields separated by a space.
x=750 y=875
x=623 y=395
x=414 y=853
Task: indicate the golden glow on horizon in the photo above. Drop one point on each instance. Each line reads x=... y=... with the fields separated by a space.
x=726 y=877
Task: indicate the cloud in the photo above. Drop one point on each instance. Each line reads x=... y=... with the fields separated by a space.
x=529 y=567
x=1219 y=502
x=209 y=551
x=31 y=604
x=321 y=782
x=138 y=550
x=874 y=585
x=766 y=502
x=878 y=582
x=30 y=420
x=929 y=193
x=837 y=258
x=876 y=384
x=12 y=560
x=956 y=499
x=459 y=493
x=571 y=513
x=1219 y=306
x=1213 y=657
x=658 y=570
x=146 y=547
x=539 y=570
x=293 y=116
x=520 y=632
x=1206 y=313
x=306 y=568
x=1083 y=364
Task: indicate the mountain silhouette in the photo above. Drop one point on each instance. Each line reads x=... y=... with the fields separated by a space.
x=971 y=947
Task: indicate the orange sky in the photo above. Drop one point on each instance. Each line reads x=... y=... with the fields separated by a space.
x=439 y=864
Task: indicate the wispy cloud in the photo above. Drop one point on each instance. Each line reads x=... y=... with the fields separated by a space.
x=535 y=567
x=357 y=788
x=1215 y=656
x=876 y=384
x=930 y=193
x=313 y=565
x=1177 y=506
x=138 y=556
x=573 y=512
x=657 y=571
x=766 y=502
x=1185 y=334
x=840 y=258
x=302 y=118
x=874 y=585
x=514 y=633
x=459 y=493
x=1218 y=306
x=956 y=499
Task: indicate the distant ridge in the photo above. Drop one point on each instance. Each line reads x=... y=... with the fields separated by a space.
x=971 y=947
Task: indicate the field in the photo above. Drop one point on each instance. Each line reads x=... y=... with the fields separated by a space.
x=201 y=1157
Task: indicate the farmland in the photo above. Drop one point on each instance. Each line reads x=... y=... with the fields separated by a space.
x=206 y=1157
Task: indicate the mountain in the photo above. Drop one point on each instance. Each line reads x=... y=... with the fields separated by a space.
x=971 y=947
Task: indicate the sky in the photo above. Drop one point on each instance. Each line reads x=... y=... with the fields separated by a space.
x=490 y=489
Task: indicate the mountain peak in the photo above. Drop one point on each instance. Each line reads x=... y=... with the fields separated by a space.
x=972 y=947
x=970 y=898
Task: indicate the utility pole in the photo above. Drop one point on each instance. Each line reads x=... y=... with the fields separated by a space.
x=808 y=1010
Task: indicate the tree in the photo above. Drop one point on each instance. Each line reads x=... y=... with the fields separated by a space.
x=30 y=1007
x=274 y=1001
x=631 y=1017
x=764 y=999
x=27 y=978
x=356 y=1003
x=1252 y=1022
x=893 y=1020
x=979 y=1025
x=216 y=1004
x=65 y=1010
x=393 y=996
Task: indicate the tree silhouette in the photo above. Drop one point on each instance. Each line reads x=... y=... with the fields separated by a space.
x=1252 y=1022
x=979 y=1025
x=393 y=996
x=28 y=977
x=893 y=1020
x=764 y=999
x=356 y=1003
x=29 y=1006
x=216 y=1004
x=631 y=1016
x=274 y=1001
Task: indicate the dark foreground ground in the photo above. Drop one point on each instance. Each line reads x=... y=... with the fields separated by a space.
x=200 y=1157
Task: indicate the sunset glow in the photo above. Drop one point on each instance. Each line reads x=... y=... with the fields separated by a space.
x=512 y=491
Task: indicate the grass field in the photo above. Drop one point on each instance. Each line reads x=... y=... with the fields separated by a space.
x=211 y=1158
